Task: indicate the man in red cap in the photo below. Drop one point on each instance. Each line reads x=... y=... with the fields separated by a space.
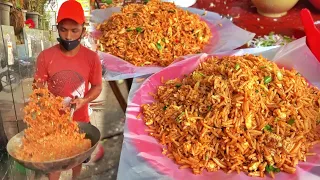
x=69 y=69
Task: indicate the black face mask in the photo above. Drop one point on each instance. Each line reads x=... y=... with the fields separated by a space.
x=69 y=45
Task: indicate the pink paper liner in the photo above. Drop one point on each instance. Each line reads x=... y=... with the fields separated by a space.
x=151 y=151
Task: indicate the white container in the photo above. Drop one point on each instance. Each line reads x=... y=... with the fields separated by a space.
x=182 y=3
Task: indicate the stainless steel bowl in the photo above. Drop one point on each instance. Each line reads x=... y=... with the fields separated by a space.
x=92 y=133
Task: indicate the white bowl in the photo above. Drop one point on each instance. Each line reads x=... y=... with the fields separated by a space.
x=182 y=3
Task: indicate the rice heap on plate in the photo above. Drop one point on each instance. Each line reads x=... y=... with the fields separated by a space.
x=153 y=34
x=110 y=3
x=50 y=134
x=237 y=114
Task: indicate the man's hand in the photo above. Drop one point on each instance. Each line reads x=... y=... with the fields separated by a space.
x=92 y=94
x=79 y=102
x=37 y=84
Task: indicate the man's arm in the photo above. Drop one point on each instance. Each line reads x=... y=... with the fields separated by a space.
x=95 y=80
x=93 y=93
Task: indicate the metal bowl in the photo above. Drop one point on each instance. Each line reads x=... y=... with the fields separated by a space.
x=92 y=133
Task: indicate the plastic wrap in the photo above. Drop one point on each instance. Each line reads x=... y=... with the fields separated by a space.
x=141 y=156
x=226 y=36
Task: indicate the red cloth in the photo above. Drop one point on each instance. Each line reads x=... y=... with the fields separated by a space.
x=69 y=76
x=30 y=23
x=71 y=9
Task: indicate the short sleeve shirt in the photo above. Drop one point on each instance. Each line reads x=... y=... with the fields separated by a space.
x=69 y=76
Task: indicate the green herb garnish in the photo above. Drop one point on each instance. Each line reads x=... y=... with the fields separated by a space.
x=171 y=11
x=267 y=79
x=257 y=91
x=268 y=128
x=139 y=29
x=178 y=85
x=262 y=67
x=207 y=157
x=209 y=108
x=107 y=1
x=158 y=45
x=289 y=39
x=237 y=67
x=201 y=74
x=129 y=29
x=270 y=168
x=291 y=121
x=165 y=107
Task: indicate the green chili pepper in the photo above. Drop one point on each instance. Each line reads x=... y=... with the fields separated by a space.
x=237 y=67
x=158 y=45
x=267 y=79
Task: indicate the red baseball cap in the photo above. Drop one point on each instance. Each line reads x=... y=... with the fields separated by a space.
x=71 y=9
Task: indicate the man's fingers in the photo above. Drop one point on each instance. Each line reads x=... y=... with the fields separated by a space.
x=75 y=97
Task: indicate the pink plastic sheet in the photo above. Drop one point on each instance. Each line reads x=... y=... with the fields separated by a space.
x=226 y=36
x=141 y=156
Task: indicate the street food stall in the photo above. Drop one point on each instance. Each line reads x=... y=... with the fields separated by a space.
x=174 y=112
x=217 y=89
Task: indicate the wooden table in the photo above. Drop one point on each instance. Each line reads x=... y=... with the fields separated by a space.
x=245 y=16
x=116 y=91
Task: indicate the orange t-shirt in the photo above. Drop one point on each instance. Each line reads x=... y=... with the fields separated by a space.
x=70 y=76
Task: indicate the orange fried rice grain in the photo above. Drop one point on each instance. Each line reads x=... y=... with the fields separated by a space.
x=236 y=114
x=50 y=135
x=153 y=34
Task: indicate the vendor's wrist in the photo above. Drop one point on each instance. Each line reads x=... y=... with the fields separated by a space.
x=86 y=100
